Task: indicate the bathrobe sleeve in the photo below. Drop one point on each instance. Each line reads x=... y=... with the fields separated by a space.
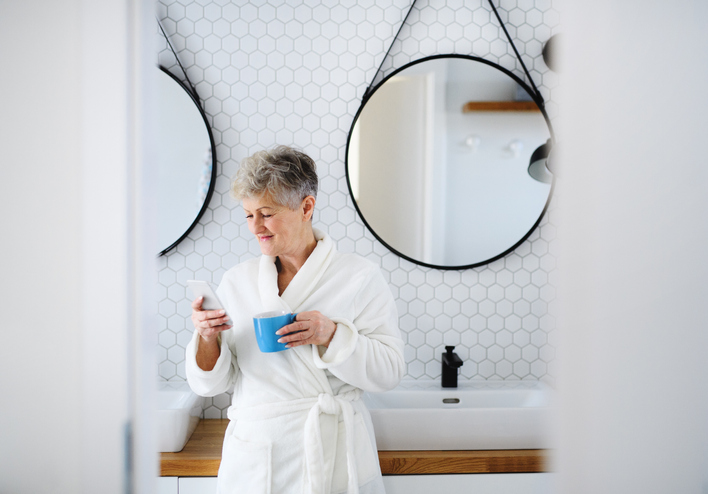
x=367 y=352
x=222 y=377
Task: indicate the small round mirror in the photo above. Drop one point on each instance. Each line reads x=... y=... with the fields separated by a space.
x=437 y=161
x=186 y=161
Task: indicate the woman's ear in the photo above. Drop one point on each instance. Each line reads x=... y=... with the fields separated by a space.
x=308 y=208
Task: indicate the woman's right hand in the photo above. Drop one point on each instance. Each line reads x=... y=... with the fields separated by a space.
x=209 y=323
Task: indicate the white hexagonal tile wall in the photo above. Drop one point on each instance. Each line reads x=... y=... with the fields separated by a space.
x=294 y=73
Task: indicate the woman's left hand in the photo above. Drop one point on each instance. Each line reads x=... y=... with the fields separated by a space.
x=309 y=328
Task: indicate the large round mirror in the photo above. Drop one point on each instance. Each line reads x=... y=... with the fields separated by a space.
x=186 y=161
x=437 y=161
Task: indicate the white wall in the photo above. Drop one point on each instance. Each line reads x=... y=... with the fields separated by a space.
x=40 y=145
x=492 y=202
x=73 y=260
x=634 y=350
x=394 y=131
x=489 y=190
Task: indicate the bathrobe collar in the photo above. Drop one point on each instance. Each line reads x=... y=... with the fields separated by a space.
x=304 y=282
x=301 y=286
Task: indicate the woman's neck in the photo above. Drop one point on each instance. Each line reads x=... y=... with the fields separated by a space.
x=289 y=265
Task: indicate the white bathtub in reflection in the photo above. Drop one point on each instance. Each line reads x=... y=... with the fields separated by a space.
x=178 y=413
x=477 y=415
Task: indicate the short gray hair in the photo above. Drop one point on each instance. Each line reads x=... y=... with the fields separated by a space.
x=288 y=175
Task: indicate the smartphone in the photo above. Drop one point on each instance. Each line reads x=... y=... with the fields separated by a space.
x=203 y=289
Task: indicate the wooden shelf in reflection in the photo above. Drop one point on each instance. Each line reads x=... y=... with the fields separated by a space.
x=515 y=106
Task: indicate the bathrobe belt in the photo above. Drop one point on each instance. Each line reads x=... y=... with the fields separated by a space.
x=314 y=450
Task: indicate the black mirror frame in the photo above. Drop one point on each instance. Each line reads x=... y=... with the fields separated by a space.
x=212 y=181
x=536 y=99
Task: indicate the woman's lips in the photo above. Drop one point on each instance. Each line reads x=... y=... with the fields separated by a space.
x=264 y=238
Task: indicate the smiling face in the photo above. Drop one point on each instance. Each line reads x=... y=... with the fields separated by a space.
x=281 y=232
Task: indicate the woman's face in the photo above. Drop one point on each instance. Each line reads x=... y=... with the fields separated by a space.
x=280 y=231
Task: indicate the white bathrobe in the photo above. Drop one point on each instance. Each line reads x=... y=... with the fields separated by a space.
x=297 y=423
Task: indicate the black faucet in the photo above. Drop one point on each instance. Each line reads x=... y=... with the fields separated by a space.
x=450 y=362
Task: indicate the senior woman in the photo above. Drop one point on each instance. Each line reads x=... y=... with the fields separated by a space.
x=297 y=423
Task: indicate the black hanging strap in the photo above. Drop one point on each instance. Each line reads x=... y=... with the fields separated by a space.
x=194 y=91
x=538 y=93
x=373 y=80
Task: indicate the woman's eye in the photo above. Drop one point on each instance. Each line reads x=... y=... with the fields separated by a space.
x=267 y=215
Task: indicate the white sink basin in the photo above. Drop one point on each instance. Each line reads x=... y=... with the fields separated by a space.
x=178 y=412
x=477 y=415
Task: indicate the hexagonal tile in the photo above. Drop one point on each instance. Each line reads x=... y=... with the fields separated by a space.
x=282 y=73
x=460 y=322
x=470 y=339
x=433 y=369
x=416 y=369
x=212 y=412
x=408 y=323
x=487 y=278
x=530 y=293
x=547 y=353
x=460 y=293
x=443 y=292
x=495 y=293
x=521 y=368
x=478 y=293
x=434 y=338
x=522 y=278
x=530 y=322
x=167 y=370
x=495 y=322
x=486 y=308
x=486 y=338
x=425 y=293
x=451 y=308
x=538 y=368
x=175 y=354
x=434 y=308
x=477 y=353
x=451 y=338
x=478 y=322
x=167 y=338
x=512 y=322
x=425 y=323
x=416 y=338
x=486 y=369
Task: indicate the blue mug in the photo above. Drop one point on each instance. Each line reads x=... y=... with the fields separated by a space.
x=266 y=324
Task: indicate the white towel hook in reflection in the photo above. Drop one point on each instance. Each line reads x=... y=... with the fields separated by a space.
x=473 y=141
x=515 y=147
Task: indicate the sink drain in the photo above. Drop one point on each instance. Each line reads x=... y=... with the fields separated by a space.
x=449 y=401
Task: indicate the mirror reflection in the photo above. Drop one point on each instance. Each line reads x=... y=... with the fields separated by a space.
x=437 y=162
x=185 y=161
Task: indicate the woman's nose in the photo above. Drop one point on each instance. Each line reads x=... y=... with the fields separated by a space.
x=257 y=225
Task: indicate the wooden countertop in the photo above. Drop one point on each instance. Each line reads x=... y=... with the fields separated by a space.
x=202 y=455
